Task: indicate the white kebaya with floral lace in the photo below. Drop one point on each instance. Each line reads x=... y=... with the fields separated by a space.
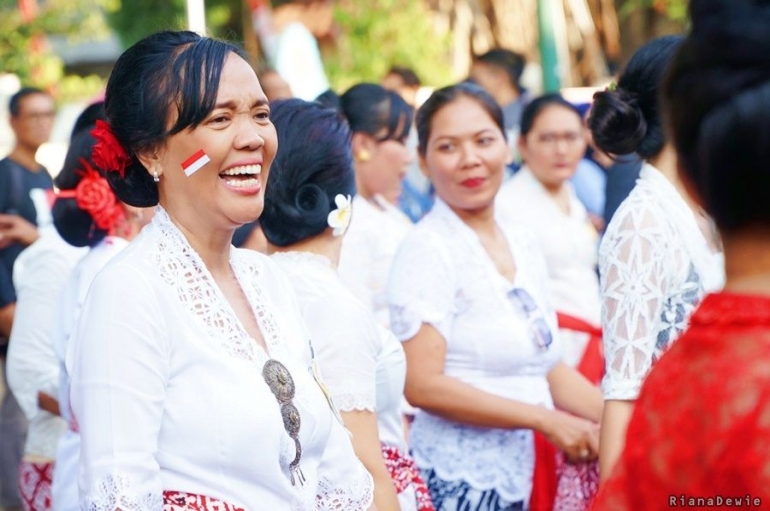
x=655 y=266
x=168 y=391
x=443 y=277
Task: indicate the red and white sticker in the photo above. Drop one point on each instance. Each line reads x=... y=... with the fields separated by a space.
x=195 y=162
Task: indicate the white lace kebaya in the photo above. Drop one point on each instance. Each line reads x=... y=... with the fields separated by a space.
x=168 y=392
x=655 y=267
x=442 y=276
x=362 y=362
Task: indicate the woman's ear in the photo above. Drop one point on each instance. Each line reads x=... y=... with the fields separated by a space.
x=150 y=160
x=362 y=146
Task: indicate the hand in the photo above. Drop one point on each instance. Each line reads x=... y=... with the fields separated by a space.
x=576 y=437
x=16 y=229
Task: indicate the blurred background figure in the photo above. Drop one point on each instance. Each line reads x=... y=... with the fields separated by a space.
x=417 y=193
x=274 y=85
x=380 y=122
x=403 y=81
x=499 y=72
x=23 y=207
x=540 y=198
x=105 y=229
x=299 y=23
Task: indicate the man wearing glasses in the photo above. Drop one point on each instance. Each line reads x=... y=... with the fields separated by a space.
x=23 y=182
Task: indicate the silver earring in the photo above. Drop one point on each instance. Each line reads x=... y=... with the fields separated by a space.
x=156 y=177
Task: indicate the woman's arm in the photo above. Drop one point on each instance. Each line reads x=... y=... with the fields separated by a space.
x=612 y=440
x=362 y=425
x=428 y=388
x=573 y=393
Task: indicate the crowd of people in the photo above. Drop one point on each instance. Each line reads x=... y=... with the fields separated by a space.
x=231 y=298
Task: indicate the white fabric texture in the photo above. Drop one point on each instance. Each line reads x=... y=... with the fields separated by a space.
x=655 y=267
x=362 y=363
x=39 y=276
x=64 y=488
x=442 y=276
x=569 y=243
x=375 y=232
x=298 y=61
x=168 y=393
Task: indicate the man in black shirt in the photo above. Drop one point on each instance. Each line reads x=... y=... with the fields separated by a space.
x=23 y=182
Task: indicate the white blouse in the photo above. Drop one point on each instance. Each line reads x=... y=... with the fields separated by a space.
x=362 y=362
x=168 y=392
x=39 y=276
x=368 y=249
x=65 y=476
x=655 y=267
x=569 y=243
x=443 y=277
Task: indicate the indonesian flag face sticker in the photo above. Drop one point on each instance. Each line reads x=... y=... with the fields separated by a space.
x=195 y=162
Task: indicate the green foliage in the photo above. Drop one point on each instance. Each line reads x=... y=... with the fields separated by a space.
x=379 y=33
x=23 y=50
x=135 y=19
x=675 y=10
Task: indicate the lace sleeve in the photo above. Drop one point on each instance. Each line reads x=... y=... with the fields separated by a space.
x=633 y=265
x=343 y=482
x=118 y=359
x=346 y=345
x=421 y=287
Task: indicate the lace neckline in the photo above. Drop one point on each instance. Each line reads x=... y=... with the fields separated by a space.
x=184 y=271
x=470 y=238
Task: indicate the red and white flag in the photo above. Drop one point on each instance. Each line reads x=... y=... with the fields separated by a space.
x=195 y=162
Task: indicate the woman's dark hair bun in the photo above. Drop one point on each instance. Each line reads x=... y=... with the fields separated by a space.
x=628 y=119
x=136 y=188
x=617 y=122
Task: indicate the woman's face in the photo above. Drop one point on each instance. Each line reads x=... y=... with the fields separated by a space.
x=465 y=155
x=554 y=146
x=385 y=168
x=240 y=141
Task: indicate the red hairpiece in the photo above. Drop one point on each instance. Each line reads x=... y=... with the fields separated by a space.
x=108 y=153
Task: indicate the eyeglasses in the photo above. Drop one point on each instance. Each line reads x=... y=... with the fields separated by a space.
x=541 y=333
x=552 y=138
x=281 y=384
x=38 y=116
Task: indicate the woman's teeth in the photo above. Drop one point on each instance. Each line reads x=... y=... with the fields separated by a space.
x=242 y=183
x=244 y=169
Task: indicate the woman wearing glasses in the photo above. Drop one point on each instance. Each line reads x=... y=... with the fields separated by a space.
x=469 y=300
x=541 y=198
x=190 y=366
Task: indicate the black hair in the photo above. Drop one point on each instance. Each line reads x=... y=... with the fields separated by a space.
x=442 y=97
x=88 y=117
x=171 y=75
x=509 y=61
x=627 y=120
x=14 y=104
x=76 y=226
x=330 y=99
x=407 y=75
x=717 y=100
x=535 y=107
x=371 y=109
x=313 y=164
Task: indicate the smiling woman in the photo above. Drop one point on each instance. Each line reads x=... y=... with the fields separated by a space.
x=189 y=364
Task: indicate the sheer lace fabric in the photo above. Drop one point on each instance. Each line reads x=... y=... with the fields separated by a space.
x=443 y=277
x=701 y=426
x=159 y=361
x=655 y=267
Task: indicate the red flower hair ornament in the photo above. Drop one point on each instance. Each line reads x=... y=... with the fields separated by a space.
x=108 y=153
x=94 y=196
